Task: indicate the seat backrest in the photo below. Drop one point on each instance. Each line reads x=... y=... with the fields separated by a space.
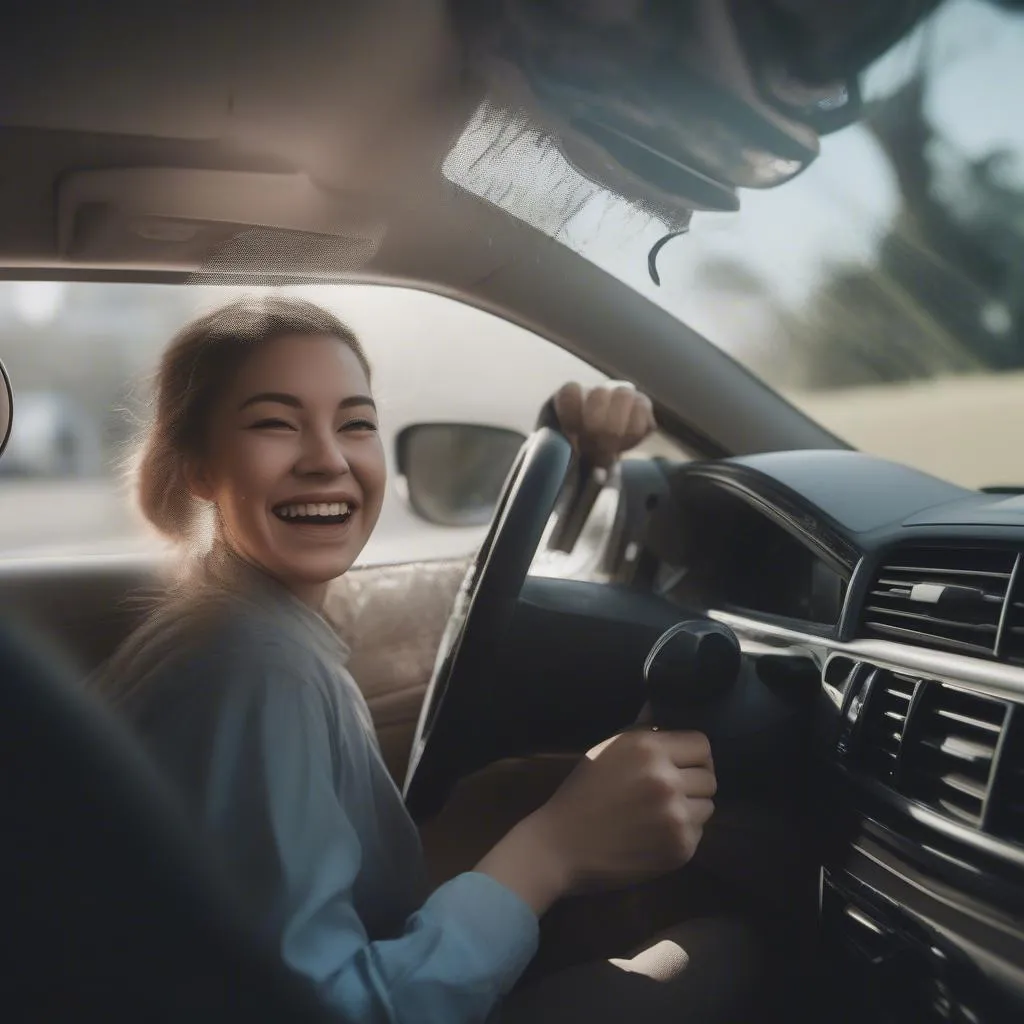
x=111 y=909
x=86 y=606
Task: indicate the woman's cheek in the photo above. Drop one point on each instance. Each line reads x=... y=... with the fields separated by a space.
x=269 y=456
x=379 y=465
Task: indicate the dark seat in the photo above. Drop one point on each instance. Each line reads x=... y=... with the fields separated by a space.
x=111 y=910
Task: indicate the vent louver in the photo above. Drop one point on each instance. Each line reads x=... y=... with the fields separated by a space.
x=1012 y=642
x=884 y=722
x=951 y=598
x=950 y=751
x=1007 y=812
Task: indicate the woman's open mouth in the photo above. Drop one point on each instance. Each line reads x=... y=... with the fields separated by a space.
x=324 y=513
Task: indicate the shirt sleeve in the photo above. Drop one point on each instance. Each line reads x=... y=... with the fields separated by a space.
x=272 y=804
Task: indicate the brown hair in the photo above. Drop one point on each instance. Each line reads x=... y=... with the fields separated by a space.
x=195 y=369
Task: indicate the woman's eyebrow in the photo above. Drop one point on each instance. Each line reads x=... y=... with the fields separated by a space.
x=271 y=396
x=353 y=400
x=281 y=398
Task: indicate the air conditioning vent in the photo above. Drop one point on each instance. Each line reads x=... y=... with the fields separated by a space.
x=883 y=721
x=950 y=750
x=1006 y=815
x=951 y=598
x=1011 y=646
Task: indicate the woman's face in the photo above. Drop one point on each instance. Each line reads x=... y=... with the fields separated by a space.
x=294 y=463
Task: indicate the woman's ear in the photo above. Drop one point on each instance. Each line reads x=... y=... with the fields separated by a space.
x=197 y=479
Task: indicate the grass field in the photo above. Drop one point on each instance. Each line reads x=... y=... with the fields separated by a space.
x=965 y=429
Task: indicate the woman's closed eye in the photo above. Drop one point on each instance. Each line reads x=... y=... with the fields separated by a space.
x=358 y=425
x=272 y=423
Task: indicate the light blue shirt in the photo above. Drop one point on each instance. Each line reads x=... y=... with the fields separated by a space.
x=241 y=694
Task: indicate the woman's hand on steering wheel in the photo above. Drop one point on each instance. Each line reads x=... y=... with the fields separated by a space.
x=604 y=421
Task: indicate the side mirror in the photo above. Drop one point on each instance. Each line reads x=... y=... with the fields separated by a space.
x=6 y=408
x=454 y=472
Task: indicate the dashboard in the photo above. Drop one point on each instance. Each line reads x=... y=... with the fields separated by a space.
x=902 y=597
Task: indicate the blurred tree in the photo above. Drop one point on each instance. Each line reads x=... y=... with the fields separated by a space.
x=945 y=293
x=98 y=349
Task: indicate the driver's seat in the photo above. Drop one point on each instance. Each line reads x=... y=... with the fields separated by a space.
x=111 y=910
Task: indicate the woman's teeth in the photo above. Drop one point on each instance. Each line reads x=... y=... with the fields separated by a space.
x=324 y=509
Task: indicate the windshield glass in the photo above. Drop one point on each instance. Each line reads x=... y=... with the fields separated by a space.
x=880 y=291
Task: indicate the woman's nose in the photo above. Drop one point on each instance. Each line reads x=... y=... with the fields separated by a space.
x=322 y=453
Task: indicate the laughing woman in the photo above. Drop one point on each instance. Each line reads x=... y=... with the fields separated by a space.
x=265 y=433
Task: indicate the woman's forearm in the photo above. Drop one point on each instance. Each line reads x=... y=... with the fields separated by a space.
x=527 y=863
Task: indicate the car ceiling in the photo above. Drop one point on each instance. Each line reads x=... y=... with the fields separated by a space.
x=221 y=142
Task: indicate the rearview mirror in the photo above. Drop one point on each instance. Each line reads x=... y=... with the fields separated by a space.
x=454 y=472
x=6 y=408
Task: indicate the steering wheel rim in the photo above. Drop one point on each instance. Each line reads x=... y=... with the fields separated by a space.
x=446 y=745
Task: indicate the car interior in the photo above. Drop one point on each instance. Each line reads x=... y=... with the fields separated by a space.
x=848 y=630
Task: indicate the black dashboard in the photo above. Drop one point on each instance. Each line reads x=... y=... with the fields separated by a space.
x=906 y=594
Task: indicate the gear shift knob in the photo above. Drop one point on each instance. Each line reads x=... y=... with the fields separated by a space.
x=690 y=665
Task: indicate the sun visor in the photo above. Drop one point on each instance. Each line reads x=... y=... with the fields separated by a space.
x=186 y=219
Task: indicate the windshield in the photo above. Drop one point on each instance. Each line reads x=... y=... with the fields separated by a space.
x=880 y=290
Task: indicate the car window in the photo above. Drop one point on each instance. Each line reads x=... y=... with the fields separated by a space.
x=82 y=355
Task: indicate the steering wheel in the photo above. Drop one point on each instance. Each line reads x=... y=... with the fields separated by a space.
x=451 y=734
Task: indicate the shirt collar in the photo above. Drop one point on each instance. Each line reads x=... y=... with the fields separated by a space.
x=224 y=569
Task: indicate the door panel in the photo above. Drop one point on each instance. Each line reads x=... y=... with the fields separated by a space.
x=393 y=617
